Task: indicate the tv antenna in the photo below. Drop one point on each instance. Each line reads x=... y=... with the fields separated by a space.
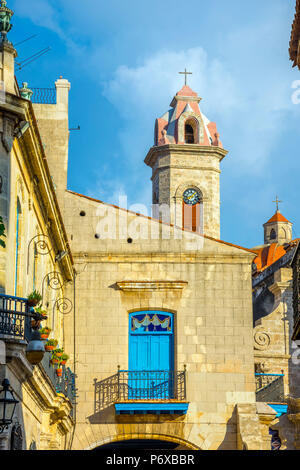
x=25 y=40
x=32 y=58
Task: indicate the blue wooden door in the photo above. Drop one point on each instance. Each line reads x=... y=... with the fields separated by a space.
x=151 y=361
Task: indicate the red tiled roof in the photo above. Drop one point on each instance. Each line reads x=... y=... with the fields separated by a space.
x=277 y=217
x=267 y=255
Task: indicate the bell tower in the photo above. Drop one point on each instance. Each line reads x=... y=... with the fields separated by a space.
x=185 y=162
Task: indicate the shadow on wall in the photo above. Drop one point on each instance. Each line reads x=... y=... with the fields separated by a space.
x=263 y=305
x=108 y=416
x=230 y=439
x=15 y=437
x=141 y=444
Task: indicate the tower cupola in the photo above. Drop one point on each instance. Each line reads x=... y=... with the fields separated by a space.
x=185 y=162
x=184 y=123
x=278 y=229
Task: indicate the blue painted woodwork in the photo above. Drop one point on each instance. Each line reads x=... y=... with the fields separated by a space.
x=151 y=349
x=269 y=375
x=280 y=409
x=151 y=408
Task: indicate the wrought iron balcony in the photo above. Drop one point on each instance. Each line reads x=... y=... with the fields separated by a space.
x=15 y=323
x=165 y=387
x=43 y=95
x=64 y=384
x=14 y=317
x=270 y=388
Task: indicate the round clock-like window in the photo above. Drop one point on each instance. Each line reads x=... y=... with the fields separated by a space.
x=191 y=196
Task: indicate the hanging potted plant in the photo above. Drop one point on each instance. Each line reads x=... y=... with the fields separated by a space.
x=54 y=360
x=37 y=323
x=64 y=358
x=34 y=298
x=58 y=352
x=41 y=311
x=45 y=332
x=51 y=344
x=59 y=371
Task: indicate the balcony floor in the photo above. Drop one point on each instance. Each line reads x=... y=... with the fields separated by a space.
x=132 y=407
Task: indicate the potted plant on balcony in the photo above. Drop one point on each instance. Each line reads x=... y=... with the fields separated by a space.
x=59 y=370
x=51 y=344
x=35 y=324
x=41 y=311
x=54 y=360
x=58 y=352
x=64 y=358
x=34 y=298
x=45 y=332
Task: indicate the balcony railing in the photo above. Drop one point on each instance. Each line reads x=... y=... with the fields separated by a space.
x=14 y=317
x=157 y=386
x=15 y=323
x=44 y=95
x=270 y=388
x=64 y=384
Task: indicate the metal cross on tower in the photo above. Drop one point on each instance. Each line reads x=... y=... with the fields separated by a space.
x=277 y=202
x=185 y=73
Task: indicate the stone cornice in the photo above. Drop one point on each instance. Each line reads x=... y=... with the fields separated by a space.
x=36 y=161
x=199 y=257
x=263 y=354
x=16 y=360
x=187 y=99
x=192 y=149
x=279 y=287
x=12 y=109
x=181 y=167
x=42 y=391
x=133 y=286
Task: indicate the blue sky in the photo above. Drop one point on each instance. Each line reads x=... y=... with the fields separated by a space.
x=122 y=58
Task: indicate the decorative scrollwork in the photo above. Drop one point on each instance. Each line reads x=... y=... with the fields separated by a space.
x=262 y=340
x=54 y=281
x=63 y=305
x=41 y=246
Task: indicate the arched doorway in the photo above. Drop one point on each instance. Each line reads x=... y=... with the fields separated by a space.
x=142 y=444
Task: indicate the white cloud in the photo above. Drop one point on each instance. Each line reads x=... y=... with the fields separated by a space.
x=40 y=12
x=47 y=15
x=249 y=111
x=148 y=88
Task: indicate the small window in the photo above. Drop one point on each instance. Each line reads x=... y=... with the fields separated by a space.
x=189 y=134
x=272 y=234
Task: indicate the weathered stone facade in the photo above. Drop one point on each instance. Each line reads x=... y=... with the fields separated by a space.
x=124 y=263
x=176 y=168
x=34 y=235
x=213 y=336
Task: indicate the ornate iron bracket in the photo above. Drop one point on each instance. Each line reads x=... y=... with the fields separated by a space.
x=42 y=247
x=63 y=305
x=55 y=281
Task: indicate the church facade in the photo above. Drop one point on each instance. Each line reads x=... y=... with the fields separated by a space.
x=164 y=327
